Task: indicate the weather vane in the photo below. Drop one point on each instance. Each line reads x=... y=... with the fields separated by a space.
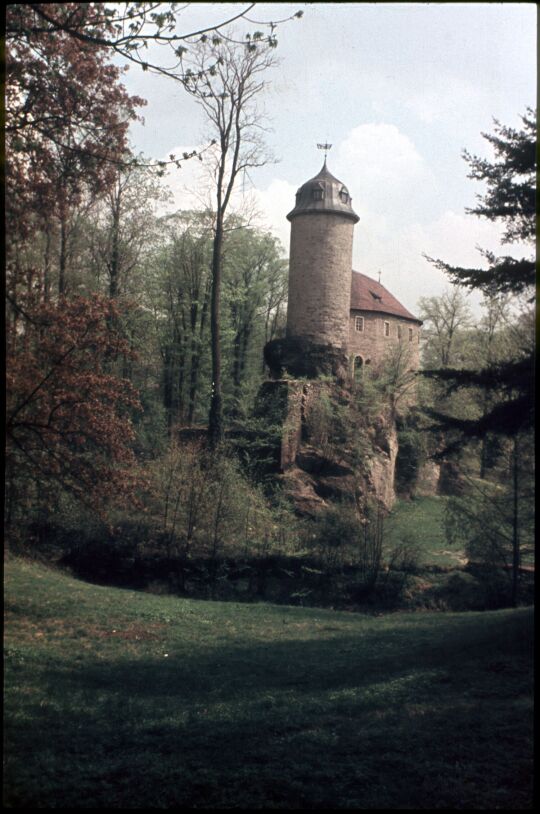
x=324 y=147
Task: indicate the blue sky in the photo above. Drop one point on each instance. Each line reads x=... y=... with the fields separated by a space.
x=399 y=89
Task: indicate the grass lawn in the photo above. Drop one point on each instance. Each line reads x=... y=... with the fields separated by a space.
x=421 y=521
x=122 y=699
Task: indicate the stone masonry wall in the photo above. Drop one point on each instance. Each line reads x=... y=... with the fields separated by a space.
x=320 y=278
x=372 y=344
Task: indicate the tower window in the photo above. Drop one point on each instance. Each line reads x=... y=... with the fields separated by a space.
x=344 y=195
x=317 y=193
x=387 y=329
x=410 y=334
x=359 y=323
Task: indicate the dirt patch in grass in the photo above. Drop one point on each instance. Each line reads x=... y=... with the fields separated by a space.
x=150 y=632
x=25 y=629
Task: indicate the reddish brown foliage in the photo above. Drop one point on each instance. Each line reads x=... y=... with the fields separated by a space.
x=68 y=414
x=67 y=115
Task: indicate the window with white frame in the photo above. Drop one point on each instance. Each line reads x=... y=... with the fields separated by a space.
x=359 y=323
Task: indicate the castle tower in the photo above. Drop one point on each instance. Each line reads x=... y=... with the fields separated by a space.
x=320 y=269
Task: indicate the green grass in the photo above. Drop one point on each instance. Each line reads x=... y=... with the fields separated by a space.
x=120 y=699
x=421 y=521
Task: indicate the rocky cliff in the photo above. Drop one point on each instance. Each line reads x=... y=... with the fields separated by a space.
x=329 y=452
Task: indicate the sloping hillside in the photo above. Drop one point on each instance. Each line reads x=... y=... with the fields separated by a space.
x=116 y=698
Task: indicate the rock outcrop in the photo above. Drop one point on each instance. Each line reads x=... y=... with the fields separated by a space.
x=300 y=357
x=313 y=472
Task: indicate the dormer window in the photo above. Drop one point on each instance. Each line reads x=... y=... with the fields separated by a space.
x=317 y=192
x=344 y=195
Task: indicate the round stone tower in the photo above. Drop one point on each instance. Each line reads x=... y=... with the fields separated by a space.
x=320 y=265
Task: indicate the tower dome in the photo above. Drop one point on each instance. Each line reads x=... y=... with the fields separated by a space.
x=323 y=193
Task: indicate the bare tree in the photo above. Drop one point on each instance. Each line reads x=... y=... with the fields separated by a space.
x=228 y=95
x=444 y=318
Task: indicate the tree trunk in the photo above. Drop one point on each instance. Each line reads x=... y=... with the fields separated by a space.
x=515 y=523
x=47 y=266
x=114 y=266
x=241 y=342
x=168 y=386
x=215 y=418
x=63 y=256
x=196 y=361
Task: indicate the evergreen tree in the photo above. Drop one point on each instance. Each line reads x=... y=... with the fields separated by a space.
x=509 y=199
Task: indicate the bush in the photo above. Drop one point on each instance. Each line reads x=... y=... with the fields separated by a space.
x=341 y=539
x=334 y=536
x=205 y=506
x=412 y=453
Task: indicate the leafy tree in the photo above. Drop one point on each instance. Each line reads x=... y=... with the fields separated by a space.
x=445 y=318
x=123 y=228
x=255 y=284
x=494 y=520
x=128 y=28
x=67 y=117
x=180 y=295
x=68 y=419
x=503 y=382
x=228 y=95
x=510 y=199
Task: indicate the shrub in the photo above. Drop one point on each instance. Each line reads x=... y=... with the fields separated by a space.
x=205 y=506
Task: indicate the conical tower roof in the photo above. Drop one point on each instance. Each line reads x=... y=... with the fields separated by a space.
x=323 y=193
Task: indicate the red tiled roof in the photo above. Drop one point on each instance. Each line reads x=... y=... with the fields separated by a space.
x=369 y=295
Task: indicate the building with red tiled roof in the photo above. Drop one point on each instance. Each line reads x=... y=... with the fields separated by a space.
x=369 y=295
x=379 y=323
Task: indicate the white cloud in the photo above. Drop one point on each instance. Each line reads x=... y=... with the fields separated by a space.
x=451 y=237
x=274 y=203
x=380 y=166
